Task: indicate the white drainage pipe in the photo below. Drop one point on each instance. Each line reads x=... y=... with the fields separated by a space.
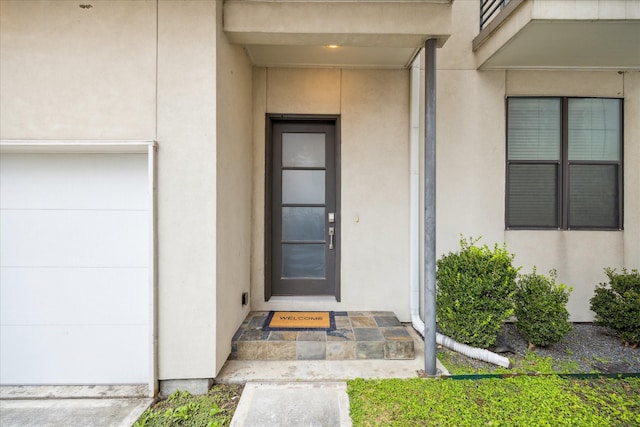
x=473 y=352
x=414 y=241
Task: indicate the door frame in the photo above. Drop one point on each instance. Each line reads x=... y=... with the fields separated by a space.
x=271 y=119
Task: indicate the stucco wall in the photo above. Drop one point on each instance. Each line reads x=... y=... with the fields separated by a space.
x=631 y=84
x=234 y=182
x=73 y=73
x=471 y=165
x=187 y=189
x=133 y=70
x=579 y=256
x=149 y=70
x=374 y=109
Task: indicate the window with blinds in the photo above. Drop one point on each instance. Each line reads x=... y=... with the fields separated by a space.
x=564 y=163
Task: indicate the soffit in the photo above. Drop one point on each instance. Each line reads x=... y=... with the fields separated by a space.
x=323 y=56
x=371 y=34
x=556 y=44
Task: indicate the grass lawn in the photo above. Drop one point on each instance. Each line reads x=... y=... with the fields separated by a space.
x=518 y=401
x=214 y=409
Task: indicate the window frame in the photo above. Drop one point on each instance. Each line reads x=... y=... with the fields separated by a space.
x=563 y=165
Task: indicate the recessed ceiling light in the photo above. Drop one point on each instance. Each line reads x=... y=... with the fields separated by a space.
x=333 y=46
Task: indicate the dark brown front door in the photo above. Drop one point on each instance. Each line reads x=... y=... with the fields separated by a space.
x=303 y=218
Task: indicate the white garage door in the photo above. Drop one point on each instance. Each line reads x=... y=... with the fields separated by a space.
x=74 y=269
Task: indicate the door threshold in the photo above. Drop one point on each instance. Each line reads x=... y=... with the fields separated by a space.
x=320 y=298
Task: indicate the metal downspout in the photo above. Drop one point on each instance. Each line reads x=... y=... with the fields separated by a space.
x=428 y=328
x=430 y=208
x=414 y=199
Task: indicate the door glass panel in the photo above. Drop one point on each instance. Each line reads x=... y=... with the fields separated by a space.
x=303 y=150
x=303 y=186
x=302 y=223
x=299 y=260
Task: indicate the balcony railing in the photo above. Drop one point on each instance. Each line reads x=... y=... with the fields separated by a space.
x=489 y=9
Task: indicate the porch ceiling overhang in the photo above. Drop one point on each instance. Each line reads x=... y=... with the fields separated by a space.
x=528 y=35
x=380 y=34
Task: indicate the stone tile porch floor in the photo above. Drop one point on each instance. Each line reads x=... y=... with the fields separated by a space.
x=243 y=371
x=359 y=335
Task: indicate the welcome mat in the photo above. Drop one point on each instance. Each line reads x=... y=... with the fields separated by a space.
x=299 y=321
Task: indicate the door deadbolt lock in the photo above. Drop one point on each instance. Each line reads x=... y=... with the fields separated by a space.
x=332 y=217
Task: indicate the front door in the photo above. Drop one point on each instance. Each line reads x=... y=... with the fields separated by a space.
x=303 y=218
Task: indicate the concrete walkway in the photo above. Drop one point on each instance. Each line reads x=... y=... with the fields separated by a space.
x=72 y=412
x=99 y=406
x=302 y=404
x=308 y=393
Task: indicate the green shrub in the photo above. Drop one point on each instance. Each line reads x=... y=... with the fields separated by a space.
x=474 y=293
x=618 y=306
x=541 y=308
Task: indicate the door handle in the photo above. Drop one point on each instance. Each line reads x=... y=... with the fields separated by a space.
x=332 y=231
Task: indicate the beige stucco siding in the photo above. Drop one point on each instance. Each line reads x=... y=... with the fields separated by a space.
x=470 y=140
x=471 y=164
x=580 y=256
x=373 y=106
x=165 y=71
x=632 y=170
x=303 y=91
x=375 y=195
x=470 y=157
x=187 y=179
x=77 y=73
x=234 y=182
x=147 y=70
x=128 y=70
